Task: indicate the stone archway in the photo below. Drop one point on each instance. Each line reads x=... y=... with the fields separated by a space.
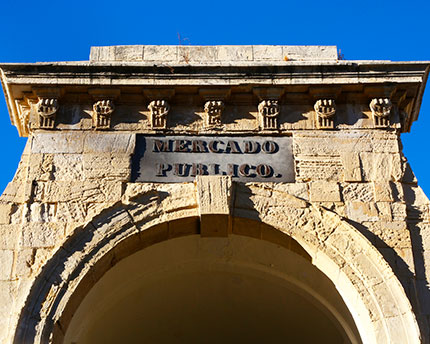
x=194 y=289
x=365 y=281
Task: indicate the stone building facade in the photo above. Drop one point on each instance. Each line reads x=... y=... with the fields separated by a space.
x=244 y=193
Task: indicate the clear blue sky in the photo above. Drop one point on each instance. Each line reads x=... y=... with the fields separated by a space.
x=364 y=30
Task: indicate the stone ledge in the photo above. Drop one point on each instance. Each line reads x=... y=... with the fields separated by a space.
x=224 y=53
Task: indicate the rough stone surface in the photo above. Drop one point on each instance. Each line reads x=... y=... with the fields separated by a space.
x=223 y=53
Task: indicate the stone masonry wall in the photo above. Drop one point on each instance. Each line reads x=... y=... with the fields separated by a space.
x=65 y=179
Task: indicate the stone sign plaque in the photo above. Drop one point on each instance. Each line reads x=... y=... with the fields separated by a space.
x=181 y=158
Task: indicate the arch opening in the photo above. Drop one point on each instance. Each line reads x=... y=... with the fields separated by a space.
x=194 y=289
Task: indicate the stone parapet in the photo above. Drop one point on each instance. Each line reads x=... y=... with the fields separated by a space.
x=206 y=54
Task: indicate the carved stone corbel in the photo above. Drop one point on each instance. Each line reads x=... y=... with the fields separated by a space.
x=381 y=110
x=104 y=106
x=24 y=110
x=213 y=110
x=47 y=109
x=325 y=110
x=159 y=110
x=268 y=111
x=102 y=113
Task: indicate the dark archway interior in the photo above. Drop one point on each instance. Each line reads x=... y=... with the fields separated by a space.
x=212 y=290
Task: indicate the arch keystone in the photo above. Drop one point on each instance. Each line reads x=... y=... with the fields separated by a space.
x=214 y=198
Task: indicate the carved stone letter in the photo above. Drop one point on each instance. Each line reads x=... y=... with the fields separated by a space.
x=325 y=110
x=47 y=109
x=269 y=113
x=381 y=109
x=213 y=109
x=159 y=110
x=102 y=112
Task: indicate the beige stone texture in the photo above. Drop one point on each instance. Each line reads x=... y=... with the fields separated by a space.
x=6 y=263
x=322 y=191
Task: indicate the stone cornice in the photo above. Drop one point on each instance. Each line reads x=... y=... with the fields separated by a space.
x=368 y=79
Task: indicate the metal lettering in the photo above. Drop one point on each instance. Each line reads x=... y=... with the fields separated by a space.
x=181 y=170
x=232 y=170
x=199 y=170
x=199 y=146
x=233 y=147
x=213 y=146
x=270 y=147
x=251 y=147
x=162 y=169
x=182 y=146
x=214 y=169
x=161 y=146
x=245 y=171
x=264 y=170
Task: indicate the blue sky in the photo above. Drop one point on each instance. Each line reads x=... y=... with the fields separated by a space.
x=363 y=30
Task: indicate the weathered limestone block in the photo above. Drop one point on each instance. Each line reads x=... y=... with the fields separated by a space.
x=110 y=143
x=334 y=143
x=241 y=53
x=322 y=191
x=157 y=53
x=39 y=212
x=8 y=290
x=66 y=142
x=383 y=192
x=361 y=211
x=398 y=211
x=319 y=168
x=97 y=191
x=5 y=212
x=362 y=192
x=107 y=166
x=68 y=167
x=29 y=262
x=299 y=190
x=6 y=263
x=394 y=234
x=9 y=236
x=268 y=52
x=384 y=211
x=380 y=166
x=72 y=211
x=352 y=167
x=37 y=235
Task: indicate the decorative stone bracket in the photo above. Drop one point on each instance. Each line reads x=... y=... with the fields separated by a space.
x=159 y=110
x=213 y=110
x=24 y=110
x=381 y=110
x=103 y=107
x=325 y=109
x=102 y=113
x=47 y=109
x=268 y=111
